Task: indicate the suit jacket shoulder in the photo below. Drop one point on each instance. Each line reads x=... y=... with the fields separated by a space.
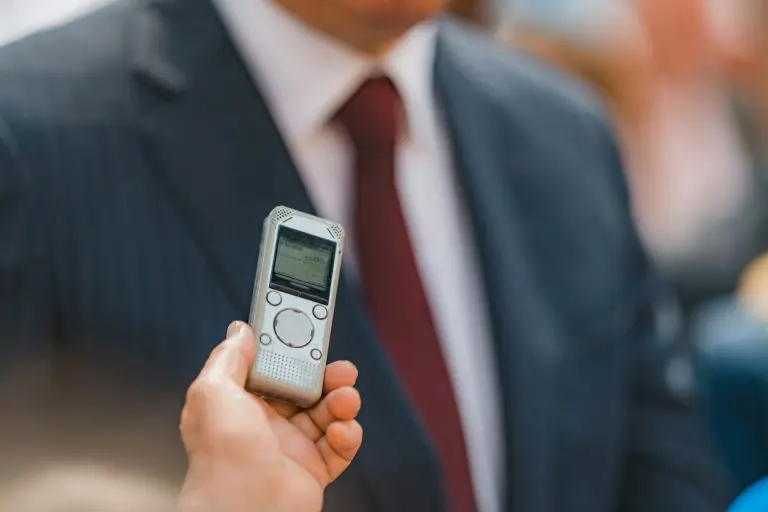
x=65 y=102
x=543 y=107
x=67 y=76
x=541 y=146
x=507 y=70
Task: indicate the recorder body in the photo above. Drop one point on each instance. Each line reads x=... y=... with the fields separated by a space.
x=293 y=303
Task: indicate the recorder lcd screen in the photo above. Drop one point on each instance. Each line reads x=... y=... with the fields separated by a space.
x=303 y=264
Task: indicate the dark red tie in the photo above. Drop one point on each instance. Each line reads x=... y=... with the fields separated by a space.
x=391 y=284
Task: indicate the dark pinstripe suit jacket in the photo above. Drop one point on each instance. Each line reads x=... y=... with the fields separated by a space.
x=137 y=162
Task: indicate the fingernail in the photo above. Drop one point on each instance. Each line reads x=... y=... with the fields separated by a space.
x=235 y=329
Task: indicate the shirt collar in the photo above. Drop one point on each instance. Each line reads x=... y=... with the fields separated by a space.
x=306 y=76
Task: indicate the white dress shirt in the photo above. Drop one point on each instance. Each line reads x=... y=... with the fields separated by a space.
x=305 y=78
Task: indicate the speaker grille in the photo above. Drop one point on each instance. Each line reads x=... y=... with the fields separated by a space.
x=281 y=213
x=336 y=230
x=289 y=370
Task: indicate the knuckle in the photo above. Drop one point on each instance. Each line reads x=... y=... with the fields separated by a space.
x=186 y=420
x=201 y=391
x=208 y=413
x=187 y=427
x=228 y=436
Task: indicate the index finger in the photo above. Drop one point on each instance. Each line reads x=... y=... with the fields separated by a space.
x=232 y=359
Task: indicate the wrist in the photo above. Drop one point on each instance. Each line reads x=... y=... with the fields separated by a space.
x=211 y=488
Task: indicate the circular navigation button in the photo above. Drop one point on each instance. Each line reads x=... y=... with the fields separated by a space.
x=294 y=328
x=274 y=298
x=265 y=339
x=316 y=354
x=320 y=312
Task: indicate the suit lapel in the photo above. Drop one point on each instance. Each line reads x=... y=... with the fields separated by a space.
x=222 y=162
x=214 y=146
x=493 y=163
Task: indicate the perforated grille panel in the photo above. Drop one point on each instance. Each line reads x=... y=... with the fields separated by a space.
x=287 y=369
x=281 y=213
x=337 y=231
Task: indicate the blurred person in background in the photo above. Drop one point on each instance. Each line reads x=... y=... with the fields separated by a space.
x=732 y=332
x=601 y=41
x=700 y=196
x=497 y=301
x=699 y=199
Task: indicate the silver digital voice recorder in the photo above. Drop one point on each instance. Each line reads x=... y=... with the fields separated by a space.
x=293 y=302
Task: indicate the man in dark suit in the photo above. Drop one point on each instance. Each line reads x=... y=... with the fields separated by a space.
x=496 y=299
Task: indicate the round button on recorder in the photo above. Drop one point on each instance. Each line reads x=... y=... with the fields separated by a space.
x=294 y=328
x=265 y=339
x=320 y=312
x=316 y=354
x=274 y=298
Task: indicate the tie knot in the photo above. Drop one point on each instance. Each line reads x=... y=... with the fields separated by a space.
x=372 y=115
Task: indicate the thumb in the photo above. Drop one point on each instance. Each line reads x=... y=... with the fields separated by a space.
x=233 y=358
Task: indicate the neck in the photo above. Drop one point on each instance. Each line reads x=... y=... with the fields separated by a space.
x=372 y=41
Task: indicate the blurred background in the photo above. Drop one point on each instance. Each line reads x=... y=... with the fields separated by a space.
x=20 y=17
x=685 y=83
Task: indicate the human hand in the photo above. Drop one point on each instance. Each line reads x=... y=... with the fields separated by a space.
x=246 y=453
